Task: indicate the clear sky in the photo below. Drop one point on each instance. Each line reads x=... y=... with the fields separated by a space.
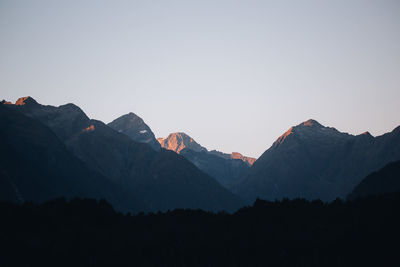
x=232 y=74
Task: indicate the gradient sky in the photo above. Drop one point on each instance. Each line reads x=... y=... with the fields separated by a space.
x=232 y=74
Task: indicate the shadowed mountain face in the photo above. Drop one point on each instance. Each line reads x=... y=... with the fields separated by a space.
x=134 y=127
x=386 y=180
x=162 y=180
x=234 y=155
x=64 y=120
x=313 y=161
x=36 y=166
x=225 y=168
x=226 y=171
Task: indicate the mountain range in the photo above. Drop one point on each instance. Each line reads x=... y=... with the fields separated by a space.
x=35 y=165
x=225 y=168
x=317 y=162
x=160 y=179
x=49 y=152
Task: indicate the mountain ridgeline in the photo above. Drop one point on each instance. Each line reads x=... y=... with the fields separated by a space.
x=385 y=180
x=49 y=152
x=317 y=162
x=77 y=192
x=159 y=180
x=134 y=127
x=225 y=168
x=36 y=166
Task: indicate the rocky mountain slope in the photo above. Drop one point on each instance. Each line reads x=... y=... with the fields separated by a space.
x=179 y=141
x=225 y=168
x=385 y=180
x=36 y=166
x=234 y=155
x=134 y=127
x=162 y=180
x=313 y=161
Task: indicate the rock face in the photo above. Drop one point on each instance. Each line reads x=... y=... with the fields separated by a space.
x=313 y=161
x=64 y=120
x=161 y=180
x=225 y=168
x=179 y=141
x=386 y=180
x=234 y=155
x=134 y=127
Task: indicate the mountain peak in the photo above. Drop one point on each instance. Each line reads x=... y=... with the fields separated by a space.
x=366 y=133
x=26 y=100
x=5 y=102
x=180 y=135
x=133 y=126
x=128 y=121
x=179 y=141
x=311 y=123
x=131 y=115
x=310 y=128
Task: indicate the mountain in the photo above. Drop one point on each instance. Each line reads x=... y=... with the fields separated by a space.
x=134 y=127
x=385 y=180
x=162 y=180
x=225 y=168
x=36 y=166
x=179 y=141
x=234 y=155
x=64 y=120
x=314 y=161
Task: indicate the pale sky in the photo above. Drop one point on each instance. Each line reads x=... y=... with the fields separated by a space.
x=234 y=75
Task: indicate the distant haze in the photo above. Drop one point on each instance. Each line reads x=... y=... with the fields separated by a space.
x=234 y=75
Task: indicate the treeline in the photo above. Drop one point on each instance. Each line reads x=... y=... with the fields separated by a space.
x=85 y=232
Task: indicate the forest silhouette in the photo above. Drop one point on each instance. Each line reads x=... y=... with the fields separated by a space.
x=87 y=232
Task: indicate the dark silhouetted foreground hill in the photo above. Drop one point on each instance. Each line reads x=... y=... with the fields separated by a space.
x=317 y=162
x=162 y=180
x=364 y=232
x=385 y=180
